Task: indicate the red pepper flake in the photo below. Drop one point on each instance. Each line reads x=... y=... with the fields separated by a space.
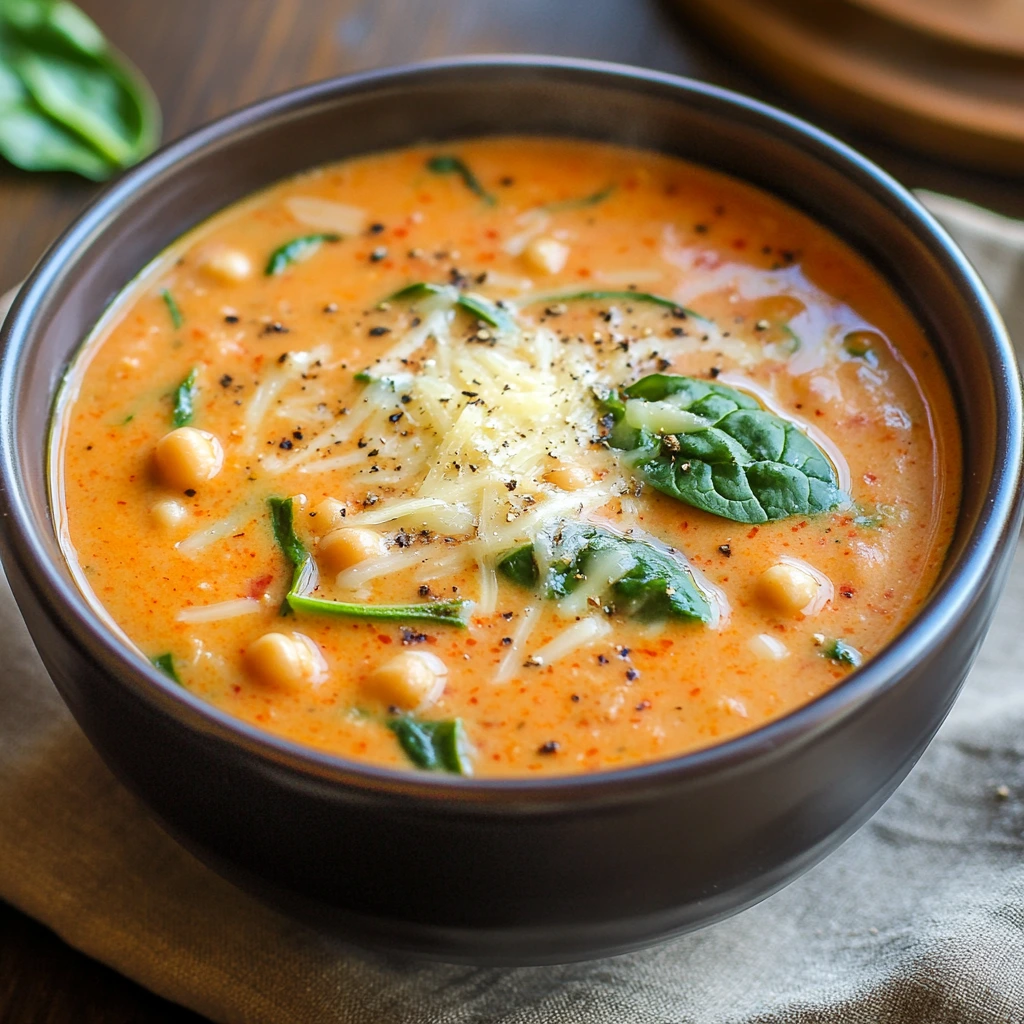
x=383 y=639
x=258 y=587
x=753 y=533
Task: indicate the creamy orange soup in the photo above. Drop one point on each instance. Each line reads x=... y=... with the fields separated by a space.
x=507 y=457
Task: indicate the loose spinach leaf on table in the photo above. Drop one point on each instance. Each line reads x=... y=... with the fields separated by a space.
x=304 y=576
x=650 y=583
x=185 y=399
x=747 y=464
x=295 y=251
x=434 y=745
x=446 y=163
x=68 y=101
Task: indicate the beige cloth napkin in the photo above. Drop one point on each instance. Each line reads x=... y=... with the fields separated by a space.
x=917 y=918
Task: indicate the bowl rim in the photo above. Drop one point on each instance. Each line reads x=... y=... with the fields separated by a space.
x=67 y=607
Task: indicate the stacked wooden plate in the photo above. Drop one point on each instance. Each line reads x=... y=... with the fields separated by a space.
x=942 y=76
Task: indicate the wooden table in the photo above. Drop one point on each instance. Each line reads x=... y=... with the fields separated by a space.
x=205 y=57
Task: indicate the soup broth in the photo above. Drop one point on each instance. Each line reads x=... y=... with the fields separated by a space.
x=507 y=457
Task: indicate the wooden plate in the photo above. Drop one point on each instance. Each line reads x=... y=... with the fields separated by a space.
x=995 y=25
x=964 y=105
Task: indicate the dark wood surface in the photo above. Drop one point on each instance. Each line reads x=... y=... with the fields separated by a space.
x=205 y=57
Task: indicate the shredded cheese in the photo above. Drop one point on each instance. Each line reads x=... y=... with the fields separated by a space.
x=578 y=635
x=222 y=610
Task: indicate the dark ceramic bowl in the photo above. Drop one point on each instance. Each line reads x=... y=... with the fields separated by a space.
x=530 y=870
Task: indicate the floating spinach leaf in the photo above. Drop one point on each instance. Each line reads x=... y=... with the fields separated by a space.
x=447 y=164
x=282 y=519
x=605 y=295
x=185 y=399
x=581 y=203
x=475 y=305
x=68 y=101
x=434 y=745
x=173 y=309
x=297 y=250
x=649 y=583
x=450 y=613
x=842 y=653
x=304 y=577
x=747 y=464
x=165 y=662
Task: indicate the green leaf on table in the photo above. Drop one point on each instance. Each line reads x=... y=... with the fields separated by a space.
x=297 y=251
x=68 y=101
x=730 y=457
x=635 y=577
x=434 y=745
x=446 y=163
x=185 y=395
x=305 y=576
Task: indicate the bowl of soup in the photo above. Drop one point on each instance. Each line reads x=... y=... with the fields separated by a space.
x=510 y=510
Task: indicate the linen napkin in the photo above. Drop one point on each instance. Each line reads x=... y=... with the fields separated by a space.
x=919 y=918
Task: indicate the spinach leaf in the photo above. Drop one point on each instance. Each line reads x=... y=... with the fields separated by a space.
x=282 y=519
x=650 y=583
x=68 y=101
x=297 y=250
x=605 y=295
x=475 y=305
x=434 y=745
x=304 y=578
x=165 y=662
x=185 y=398
x=450 y=613
x=449 y=164
x=747 y=464
x=581 y=203
x=842 y=653
x=173 y=310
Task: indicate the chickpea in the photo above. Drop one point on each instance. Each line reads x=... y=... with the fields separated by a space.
x=169 y=513
x=787 y=588
x=288 y=660
x=229 y=266
x=409 y=681
x=341 y=549
x=568 y=478
x=546 y=255
x=326 y=515
x=187 y=457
